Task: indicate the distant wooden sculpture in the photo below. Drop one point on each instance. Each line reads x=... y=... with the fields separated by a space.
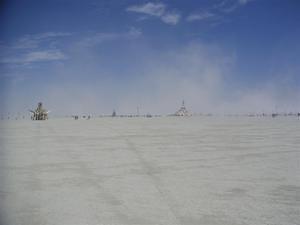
x=39 y=113
x=182 y=111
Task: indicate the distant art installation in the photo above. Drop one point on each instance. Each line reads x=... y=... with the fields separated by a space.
x=182 y=111
x=39 y=113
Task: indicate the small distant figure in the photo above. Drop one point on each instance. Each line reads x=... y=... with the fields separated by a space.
x=274 y=115
x=89 y=117
x=114 y=114
x=76 y=117
x=298 y=115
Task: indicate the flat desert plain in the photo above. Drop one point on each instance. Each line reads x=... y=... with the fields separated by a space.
x=150 y=171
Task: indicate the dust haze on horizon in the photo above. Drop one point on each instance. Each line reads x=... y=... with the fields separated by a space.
x=152 y=56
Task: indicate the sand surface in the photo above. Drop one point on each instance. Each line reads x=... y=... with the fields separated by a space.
x=150 y=171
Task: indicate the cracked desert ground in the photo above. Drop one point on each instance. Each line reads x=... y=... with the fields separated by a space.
x=150 y=171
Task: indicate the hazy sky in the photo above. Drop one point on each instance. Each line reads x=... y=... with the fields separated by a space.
x=96 y=56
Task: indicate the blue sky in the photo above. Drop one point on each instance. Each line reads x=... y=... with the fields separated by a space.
x=96 y=56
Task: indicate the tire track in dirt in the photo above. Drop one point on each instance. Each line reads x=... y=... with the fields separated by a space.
x=155 y=180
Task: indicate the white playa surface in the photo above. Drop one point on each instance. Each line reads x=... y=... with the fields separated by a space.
x=150 y=171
